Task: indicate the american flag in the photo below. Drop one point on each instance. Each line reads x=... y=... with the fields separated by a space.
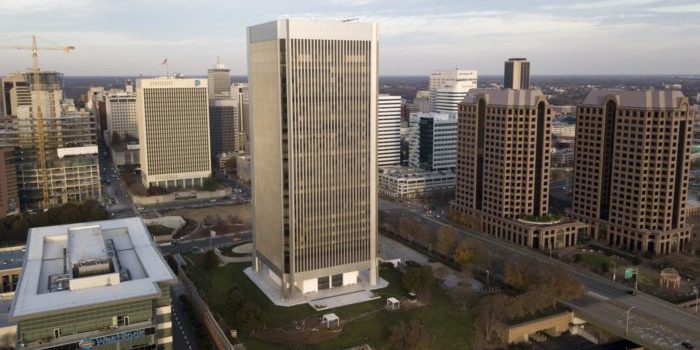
x=165 y=61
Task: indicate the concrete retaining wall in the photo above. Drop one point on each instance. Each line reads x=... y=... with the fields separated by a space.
x=171 y=197
x=216 y=334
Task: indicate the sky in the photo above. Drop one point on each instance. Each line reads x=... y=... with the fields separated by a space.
x=132 y=37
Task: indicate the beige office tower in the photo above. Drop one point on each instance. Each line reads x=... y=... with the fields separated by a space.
x=313 y=100
x=632 y=165
x=219 y=81
x=503 y=156
x=173 y=125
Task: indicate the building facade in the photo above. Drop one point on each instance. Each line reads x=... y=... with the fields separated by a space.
x=102 y=285
x=389 y=130
x=9 y=201
x=404 y=182
x=432 y=141
x=421 y=103
x=448 y=88
x=503 y=164
x=173 y=125
x=313 y=96
x=565 y=130
x=121 y=115
x=632 y=168
x=516 y=74
x=239 y=93
x=223 y=126
x=219 y=81
x=56 y=150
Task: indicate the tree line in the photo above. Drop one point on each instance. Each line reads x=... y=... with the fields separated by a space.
x=14 y=229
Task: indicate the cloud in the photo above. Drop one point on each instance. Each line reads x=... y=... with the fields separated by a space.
x=689 y=8
x=15 y=7
x=596 y=5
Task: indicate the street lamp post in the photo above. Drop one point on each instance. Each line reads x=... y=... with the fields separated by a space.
x=614 y=270
x=627 y=325
x=695 y=290
x=636 y=278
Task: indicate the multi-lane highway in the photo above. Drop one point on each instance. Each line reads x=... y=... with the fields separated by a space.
x=654 y=323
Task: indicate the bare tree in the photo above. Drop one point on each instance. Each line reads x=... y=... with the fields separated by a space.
x=446 y=240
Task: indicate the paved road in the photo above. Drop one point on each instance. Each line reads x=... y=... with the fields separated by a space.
x=183 y=332
x=654 y=323
x=205 y=243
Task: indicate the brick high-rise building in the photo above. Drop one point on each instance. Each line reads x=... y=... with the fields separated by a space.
x=631 y=170
x=503 y=159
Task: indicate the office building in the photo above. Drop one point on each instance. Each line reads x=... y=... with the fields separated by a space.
x=432 y=141
x=100 y=285
x=121 y=115
x=563 y=130
x=516 y=74
x=389 y=131
x=173 y=123
x=632 y=168
x=502 y=183
x=223 y=126
x=563 y=158
x=219 y=81
x=239 y=93
x=56 y=149
x=406 y=182
x=313 y=100
x=9 y=201
x=11 y=260
x=448 y=88
x=421 y=103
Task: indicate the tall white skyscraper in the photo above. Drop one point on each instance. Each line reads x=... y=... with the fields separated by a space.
x=173 y=124
x=313 y=100
x=448 y=88
x=389 y=131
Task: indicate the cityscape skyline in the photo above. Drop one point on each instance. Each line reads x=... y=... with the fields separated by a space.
x=436 y=35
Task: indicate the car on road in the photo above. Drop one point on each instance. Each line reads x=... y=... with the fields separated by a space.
x=686 y=344
x=197 y=250
x=632 y=292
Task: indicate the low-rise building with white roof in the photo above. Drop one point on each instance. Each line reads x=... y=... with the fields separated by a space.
x=93 y=285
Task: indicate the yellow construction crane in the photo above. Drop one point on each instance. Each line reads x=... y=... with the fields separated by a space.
x=37 y=107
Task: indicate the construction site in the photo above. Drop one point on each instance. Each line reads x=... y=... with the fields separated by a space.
x=55 y=145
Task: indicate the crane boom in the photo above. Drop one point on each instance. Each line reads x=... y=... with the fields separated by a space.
x=36 y=107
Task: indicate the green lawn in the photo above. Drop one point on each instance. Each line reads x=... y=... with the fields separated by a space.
x=449 y=328
x=595 y=261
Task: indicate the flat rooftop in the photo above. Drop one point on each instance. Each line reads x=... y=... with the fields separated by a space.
x=402 y=172
x=78 y=254
x=11 y=258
